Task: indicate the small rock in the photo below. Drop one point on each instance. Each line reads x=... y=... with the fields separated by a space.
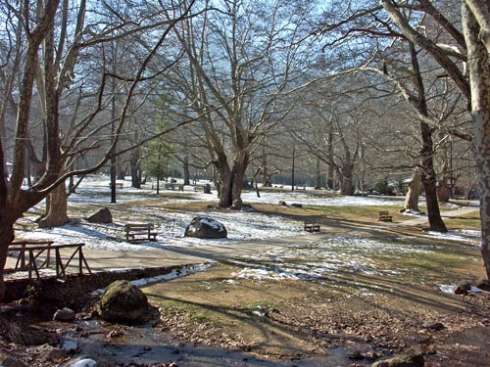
x=296 y=205
x=356 y=355
x=371 y=355
x=282 y=203
x=462 y=287
x=56 y=354
x=114 y=334
x=69 y=345
x=435 y=326
x=65 y=314
x=27 y=335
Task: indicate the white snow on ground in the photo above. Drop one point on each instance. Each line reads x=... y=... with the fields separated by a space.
x=461 y=235
x=170 y=227
x=309 y=199
x=95 y=189
x=450 y=288
x=177 y=273
x=317 y=259
x=185 y=270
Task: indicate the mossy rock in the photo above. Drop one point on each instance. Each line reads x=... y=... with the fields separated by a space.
x=124 y=302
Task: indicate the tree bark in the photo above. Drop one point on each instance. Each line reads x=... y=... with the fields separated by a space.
x=6 y=238
x=135 y=167
x=318 y=184
x=479 y=72
x=293 y=168
x=266 y=177
x=413 y=193
x=427 y=152
x=56 y=208
x=230 y=181
x=429 y=180
x=331 y=168
x=187 y=174
x=347 y=179
x=239 y=168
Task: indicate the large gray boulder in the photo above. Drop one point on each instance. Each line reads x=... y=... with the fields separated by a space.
x=206 y=227
x=124 y=302
x=103 y=216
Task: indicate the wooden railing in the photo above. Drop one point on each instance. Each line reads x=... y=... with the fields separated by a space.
x=28 y=254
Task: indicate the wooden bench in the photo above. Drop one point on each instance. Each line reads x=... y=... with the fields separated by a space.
x=384 y=216
x=28 y=254
x=140 y=232
x=312 y=227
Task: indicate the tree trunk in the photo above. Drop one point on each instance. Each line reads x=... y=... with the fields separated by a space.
x=135 y=167
x=158 y=185
x=429 y=180
x=6 y=238
x=427 y=152
x=331 y=168
x=187 y=175
x=238 y=171
x=230 y=182
x=293 y=168
x=224 y=186
x=121 y=173
x=56 y=208
x=318 y=184
x=266 y=177
x=479 y=72
x=347 y=179
x=413 y=193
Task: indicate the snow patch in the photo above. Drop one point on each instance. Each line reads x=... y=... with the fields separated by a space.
x=464 y=235
x=176 y=273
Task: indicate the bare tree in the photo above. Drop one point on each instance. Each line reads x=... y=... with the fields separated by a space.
x=59 y=60
x=238 y=59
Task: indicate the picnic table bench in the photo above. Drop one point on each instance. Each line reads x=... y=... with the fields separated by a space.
x=140 y=232
x=384 y=216
x=312 y=227
x=28 y=254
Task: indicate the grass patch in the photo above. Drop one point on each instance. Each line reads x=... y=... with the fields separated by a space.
x=466 y=221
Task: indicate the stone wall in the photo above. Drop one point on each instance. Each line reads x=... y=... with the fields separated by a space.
x=75 y=290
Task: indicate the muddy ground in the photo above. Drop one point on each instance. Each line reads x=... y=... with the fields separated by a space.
x=357 y=292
